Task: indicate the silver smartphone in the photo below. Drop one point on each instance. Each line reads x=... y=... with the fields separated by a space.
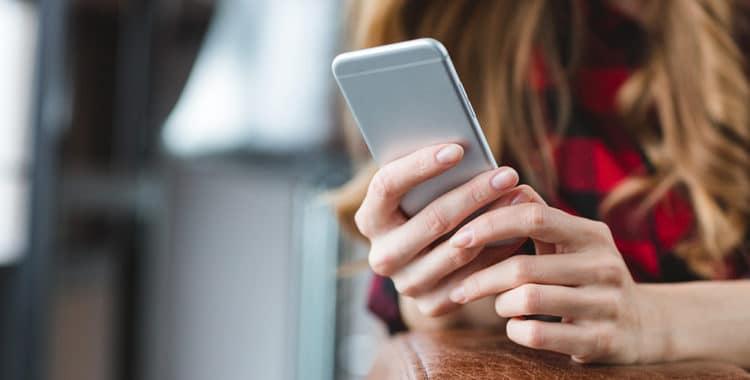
x=406 y=96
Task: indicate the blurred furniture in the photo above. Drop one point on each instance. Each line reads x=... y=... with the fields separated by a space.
x=245 y=285
x=483 y=354
x=237 y=95
x=105 y=75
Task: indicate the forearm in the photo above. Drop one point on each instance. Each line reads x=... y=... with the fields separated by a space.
x=700 y=320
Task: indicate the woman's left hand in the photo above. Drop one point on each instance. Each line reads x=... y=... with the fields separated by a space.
x=578 y=274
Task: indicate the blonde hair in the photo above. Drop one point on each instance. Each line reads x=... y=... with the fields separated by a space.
x=692 y=81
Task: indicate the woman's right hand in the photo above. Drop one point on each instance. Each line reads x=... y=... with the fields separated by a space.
x=410 y=250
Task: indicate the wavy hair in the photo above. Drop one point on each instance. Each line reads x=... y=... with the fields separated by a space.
x=686 y=104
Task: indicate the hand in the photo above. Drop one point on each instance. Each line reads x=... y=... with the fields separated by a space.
x=578 y=274
x=411 y=251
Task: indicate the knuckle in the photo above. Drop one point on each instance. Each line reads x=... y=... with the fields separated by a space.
x=602 y=231
x=405 y=286
x=423 y=306
x=528 y=190
x=378 y=265
x=460 y=256
x=428 y=307
x=535 y=335
x=472 y=287
x=381 y=185
x=521 y=269
x=611 y=272
x=363 y=222
x=434 y=311
x=605 y=306
x=479 y=192
x=603 y=342
x=435 y=222
x=604 y=228
x=614 y=306
x=380 y=262
x=537 y=216
x=486 y=223
x=531 y=298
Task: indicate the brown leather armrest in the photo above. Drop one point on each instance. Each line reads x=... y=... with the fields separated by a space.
x=482 y=354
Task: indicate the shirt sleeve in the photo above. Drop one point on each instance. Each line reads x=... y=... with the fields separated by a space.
x=383 y=302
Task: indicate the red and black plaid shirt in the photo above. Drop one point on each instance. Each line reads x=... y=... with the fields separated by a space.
x=594 y=156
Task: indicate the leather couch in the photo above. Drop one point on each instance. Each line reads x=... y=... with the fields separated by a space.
x=486 y=354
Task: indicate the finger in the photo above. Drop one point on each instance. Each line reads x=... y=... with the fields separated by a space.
x=520 y=194
x=436 y=301
x=553 y=336
x=401 y=244
x=396 y=178
x=573 y=269
x=561 y=301
x=539 y=222
x=425 y=271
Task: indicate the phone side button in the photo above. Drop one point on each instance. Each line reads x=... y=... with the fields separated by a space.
x=466 y=100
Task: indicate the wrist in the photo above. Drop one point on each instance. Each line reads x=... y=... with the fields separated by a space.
x=656 y=335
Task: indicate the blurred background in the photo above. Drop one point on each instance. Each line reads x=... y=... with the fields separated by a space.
x=161 y=170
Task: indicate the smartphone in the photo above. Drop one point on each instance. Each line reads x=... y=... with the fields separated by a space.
x=407 y=96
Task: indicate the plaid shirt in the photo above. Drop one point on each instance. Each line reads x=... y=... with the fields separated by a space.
x=594 y=156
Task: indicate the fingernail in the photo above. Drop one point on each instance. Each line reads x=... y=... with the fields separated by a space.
x=503 y=179
x=520 y=198
x=458 y=295
x=449 y=154
x=462 y=238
